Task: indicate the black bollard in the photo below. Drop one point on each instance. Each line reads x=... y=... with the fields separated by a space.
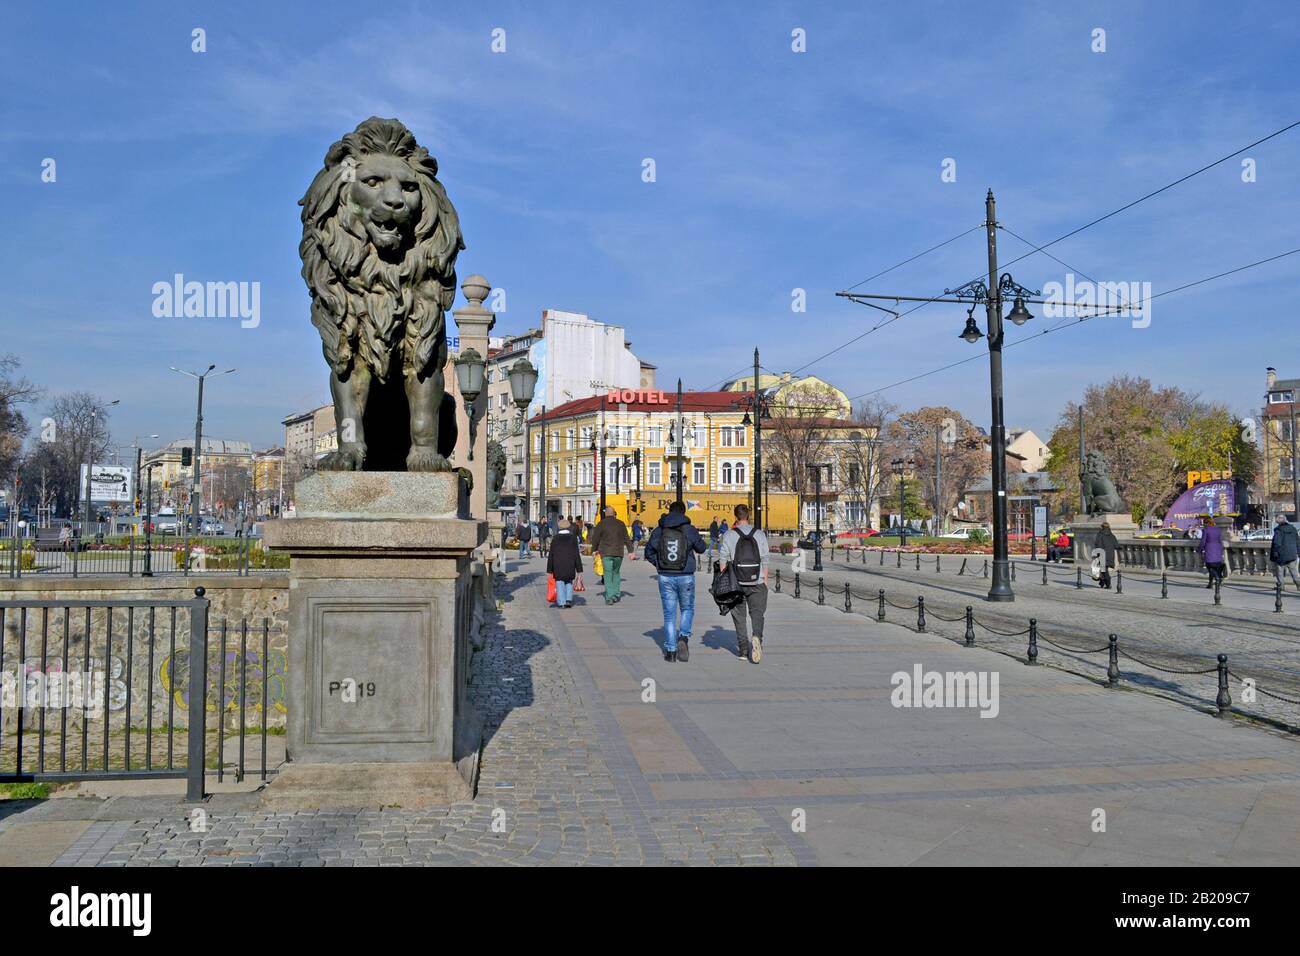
x=1277 y=598
x=880 y=612
x=962 y=569
x=882 y=557
x=1112 y=669
x=1224 y=699
x=1013 y=571
x=778 y=581
x=986 y=567
x=796 y=584
x=848 y=600
x=918 y=560
x=920 y=615
x=900 y=558
x=1078 y=577
x=936 y=564
x=864 y=554
x=1164 y=584
x=1216 y=590
x=821 y=591
x=1044 y=575
x=1033 y=641
x=970 y=626
x=1119 y=581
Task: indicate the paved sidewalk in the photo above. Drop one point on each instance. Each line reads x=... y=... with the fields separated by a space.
x=799 y=760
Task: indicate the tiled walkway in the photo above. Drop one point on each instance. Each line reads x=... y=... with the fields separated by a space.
x=799 y=760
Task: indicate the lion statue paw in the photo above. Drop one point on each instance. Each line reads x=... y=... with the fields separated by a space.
x=426 y=458
x=347 y=458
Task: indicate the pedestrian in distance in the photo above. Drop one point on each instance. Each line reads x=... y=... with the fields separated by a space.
x=544 y=538
x=611 y=541
x=525 y=535
x=1108 y=545
x=1284 y=551
x=1211 y=548
x=564 y=563
x=745 y=551
x=638 y=532
x=671 y=549
x=715 y=536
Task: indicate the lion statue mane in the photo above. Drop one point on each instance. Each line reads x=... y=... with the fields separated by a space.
x=1100 y=496
x=379 y=246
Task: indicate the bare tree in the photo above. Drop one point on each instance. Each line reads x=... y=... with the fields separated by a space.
x=798 y=432
x=77 y=432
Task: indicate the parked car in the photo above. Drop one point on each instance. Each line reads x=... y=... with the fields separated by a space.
x=165 y=521
x=212 y=526
x=899 y=532
x=860 y=533
x=958 y=534
x=1258 y=534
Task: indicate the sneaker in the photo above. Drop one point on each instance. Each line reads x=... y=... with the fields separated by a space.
x=683 y=649
x=670 y=656
x=756 y=649
x=569 y=604
x=742 y=652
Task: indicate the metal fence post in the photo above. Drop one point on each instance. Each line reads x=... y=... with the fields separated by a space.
x=778 y=580
x=848 y=600
x=970 y=626
x=1277 y=598
x=918 y=560
x=880 y=612
x=936 y=564
x=1033 y=641
x=1078 y=578
x=899 y=562
x=1164 y=583
x=198 y=697
x=1217 y=598
x=821 y=590
x=1013 y=571
x=796 y=584
x=882 y=557
x=1224 y=699
x=1044 y=575
x=1112 y=669
x=1119 y=581
x=920 y=614
x=986 y=567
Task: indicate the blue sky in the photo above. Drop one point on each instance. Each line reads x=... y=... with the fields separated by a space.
x=775 y=171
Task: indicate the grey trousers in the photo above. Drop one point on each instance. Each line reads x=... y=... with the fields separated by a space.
x=756 y=603
x=1290 y=567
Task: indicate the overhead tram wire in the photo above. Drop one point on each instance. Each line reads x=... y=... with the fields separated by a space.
x=1073 y=232
x=1075 y=322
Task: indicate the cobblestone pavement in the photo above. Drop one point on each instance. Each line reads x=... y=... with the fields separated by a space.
x=799 y=760
x=1156 y=635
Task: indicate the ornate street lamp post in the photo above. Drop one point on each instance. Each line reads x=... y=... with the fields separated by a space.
x=901 y=467
x=523 y=382
x=817 y=513
x=469 y=379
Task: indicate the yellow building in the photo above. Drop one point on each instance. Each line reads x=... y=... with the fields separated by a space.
x=597 y=439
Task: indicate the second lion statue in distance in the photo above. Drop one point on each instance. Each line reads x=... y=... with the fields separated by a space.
x=379 y=246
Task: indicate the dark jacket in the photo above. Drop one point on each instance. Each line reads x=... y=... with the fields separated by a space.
x=1108 y=543
x=610 y=538
x=698 y=545
x=1286 y=544
x=564 y=561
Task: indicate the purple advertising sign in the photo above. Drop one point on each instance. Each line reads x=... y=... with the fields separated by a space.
x=1209 y=497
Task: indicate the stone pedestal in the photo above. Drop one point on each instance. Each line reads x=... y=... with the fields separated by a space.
x=380 y=606
x=1086 y=528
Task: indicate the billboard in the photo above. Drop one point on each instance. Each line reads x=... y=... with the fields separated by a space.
x=107 y=483
x=1207 y=498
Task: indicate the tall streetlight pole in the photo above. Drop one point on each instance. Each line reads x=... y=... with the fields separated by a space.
x=90 y=454
x=681 y=442
x=817 y=513
x=196 y=489
x=758 y=450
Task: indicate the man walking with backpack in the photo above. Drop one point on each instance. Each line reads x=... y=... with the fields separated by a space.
x=744 y=550
x=671 y=549
x=611 y=541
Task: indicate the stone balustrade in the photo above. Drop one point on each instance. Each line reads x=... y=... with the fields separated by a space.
x=1244 y=557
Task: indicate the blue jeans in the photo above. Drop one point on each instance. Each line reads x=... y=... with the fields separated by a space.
x=677 y=590
x=523 y=549
x=563 y=593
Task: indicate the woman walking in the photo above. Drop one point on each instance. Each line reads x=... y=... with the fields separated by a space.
x=1211 y=548
x=564 y=563
x=1108 y=545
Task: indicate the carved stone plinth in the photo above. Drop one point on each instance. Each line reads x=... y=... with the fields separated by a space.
x=379 y=614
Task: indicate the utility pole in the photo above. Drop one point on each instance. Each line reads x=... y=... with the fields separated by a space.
x=1295 y=485
x=680 y=441
x=541 y=491
x=757 y=477
x=938 y=483
x=1000 y=589
x=1083 y=491
x=604 y=438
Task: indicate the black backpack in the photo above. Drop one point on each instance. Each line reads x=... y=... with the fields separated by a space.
x=747 y=561
x=674 y=548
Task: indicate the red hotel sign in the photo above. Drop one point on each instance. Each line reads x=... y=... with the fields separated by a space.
x=631 y=396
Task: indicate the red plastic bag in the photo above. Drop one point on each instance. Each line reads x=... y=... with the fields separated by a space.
x=550 y=588
x=578 y=585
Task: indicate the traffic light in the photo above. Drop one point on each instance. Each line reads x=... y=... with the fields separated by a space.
x=187 y=457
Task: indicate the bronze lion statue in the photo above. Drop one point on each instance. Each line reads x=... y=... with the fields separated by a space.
x=379 y=246
x=1099 y=494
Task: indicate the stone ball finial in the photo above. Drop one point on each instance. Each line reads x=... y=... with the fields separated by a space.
x=476 y=289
